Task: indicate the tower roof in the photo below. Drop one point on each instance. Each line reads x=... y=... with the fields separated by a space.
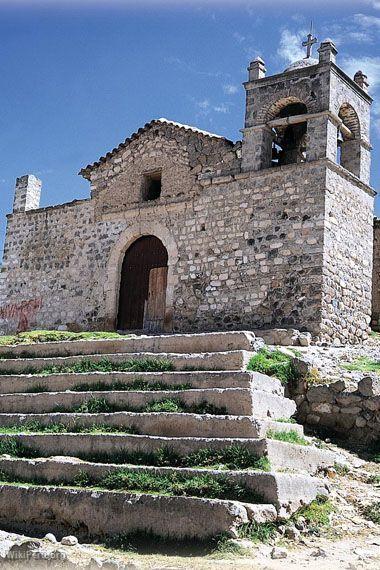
x=302 y=63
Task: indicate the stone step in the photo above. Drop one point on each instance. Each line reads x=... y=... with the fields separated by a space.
x=232 y=360
x=107 y=447
x=212 y=379
x=96 y=516
x=287 y=492
x=163 y=423
x=232 y=401
x=178 y=343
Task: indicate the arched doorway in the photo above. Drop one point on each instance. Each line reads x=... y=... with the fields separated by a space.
x=142 y=298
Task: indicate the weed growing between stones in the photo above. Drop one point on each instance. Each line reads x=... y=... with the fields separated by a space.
x=257 y=532
x=37 y=427
x=287 y=436
x=168 y=405
x=135 y=385
x=273 y=363
x=36 y=389
x=286 y=420
x=374 y=480
x=147 y=542
x=372 y=512
x=33 y=337
x=15 y=448
x=231 y=457
x=172 y=484
x=363 y=364
x=317 y=514
x=103 y=365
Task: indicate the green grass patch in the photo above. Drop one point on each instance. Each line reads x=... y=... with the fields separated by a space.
x=36 y=389
x=168 y=405
x=136 y=385
x=374 y=480
x=286 y=420
x=287 y=436
x=145 y=542
x=202 y=485
x=15 y=448
x=363 y=364
x=178 y=484
x=231 y=457
x=273 y=363
x=258 y=532
x=372 y=512
x=317 y=513
x=37 y=427
x=34 y=337
x=103 y=365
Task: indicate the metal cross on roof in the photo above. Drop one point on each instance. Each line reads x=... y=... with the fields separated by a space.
x=309 y=42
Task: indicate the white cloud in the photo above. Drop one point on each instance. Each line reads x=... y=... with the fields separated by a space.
x=204 y=104
x=222 y=108
x=370 y=66
x=239 y=38
x=367 y=21
x=230 y=89
x=290 y=48
x=374 y=3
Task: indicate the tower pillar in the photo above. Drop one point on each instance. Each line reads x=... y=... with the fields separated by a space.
x=27 y=193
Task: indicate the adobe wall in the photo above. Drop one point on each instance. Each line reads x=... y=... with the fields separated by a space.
x=376 y=276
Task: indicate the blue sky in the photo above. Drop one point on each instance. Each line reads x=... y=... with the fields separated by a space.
x=79 y=76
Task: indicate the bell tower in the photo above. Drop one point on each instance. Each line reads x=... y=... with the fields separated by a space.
x=312 y=111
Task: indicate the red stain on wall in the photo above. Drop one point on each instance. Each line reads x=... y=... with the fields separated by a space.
x=23 y=311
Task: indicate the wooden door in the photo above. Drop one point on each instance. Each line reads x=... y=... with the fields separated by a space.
x=155 y=305
x=144 y=255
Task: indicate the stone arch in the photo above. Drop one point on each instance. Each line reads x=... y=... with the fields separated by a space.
x=349 y=151
x=114 y=266
x=273 y=108
x=350 y=119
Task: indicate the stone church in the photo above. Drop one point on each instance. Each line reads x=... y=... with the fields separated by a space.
x=188 y=231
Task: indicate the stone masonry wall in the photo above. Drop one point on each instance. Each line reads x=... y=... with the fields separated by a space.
x=353 y=414
x=248 y=254
x=376 y=276
x=258 y=249
x=346 y=301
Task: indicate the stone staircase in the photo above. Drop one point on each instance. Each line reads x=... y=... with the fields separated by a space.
x=60 y=452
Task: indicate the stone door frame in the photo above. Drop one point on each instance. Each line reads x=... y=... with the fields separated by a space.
x=114 y=266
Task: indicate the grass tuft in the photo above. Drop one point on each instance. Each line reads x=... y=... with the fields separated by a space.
x=258 y=532
x=178 y=484
x=135 y=385
x=38 y=336
x=372 y=512
x=363 y=364
x=287 y=436
x=97 y=405
x=34 y=426
x=103 y=365
x=15 y=448
x=273 y=363
x=318 y=512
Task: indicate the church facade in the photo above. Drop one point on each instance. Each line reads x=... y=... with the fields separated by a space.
x=188 y=231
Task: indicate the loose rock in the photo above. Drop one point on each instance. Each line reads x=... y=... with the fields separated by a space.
x=69 y=541
x=278 y=553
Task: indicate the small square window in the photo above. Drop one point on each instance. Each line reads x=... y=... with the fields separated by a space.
x=151 y=186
